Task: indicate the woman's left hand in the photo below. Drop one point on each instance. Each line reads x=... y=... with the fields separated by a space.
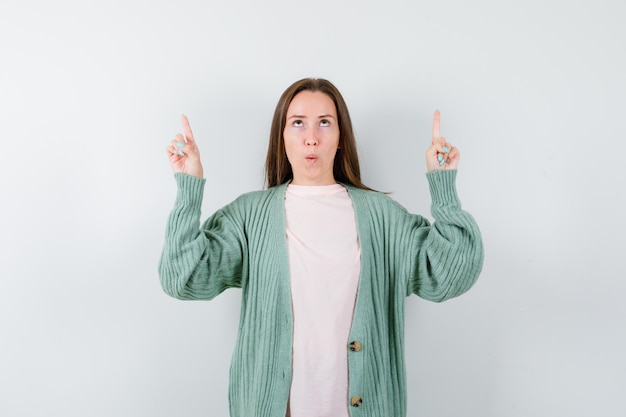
x=441 y=155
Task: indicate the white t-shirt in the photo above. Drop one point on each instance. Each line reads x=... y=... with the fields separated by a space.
x=325 y=263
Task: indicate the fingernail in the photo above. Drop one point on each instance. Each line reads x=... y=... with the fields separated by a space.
x=440 y=157
x=440 y=163
x=180 y=144
x=447 y=160
x=446 y=149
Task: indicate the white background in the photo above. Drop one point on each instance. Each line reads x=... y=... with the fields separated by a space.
x=532 y=92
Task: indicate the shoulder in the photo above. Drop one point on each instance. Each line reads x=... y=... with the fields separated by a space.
x=253 y=201
x=250 y=206
x=374 y=200
x=254 y=197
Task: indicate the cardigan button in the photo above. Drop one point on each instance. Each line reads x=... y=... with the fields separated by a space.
x=356 y=401
x=355 y=346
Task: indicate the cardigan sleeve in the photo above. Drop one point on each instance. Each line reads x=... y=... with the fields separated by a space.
x=199 y=262
x=447 y=256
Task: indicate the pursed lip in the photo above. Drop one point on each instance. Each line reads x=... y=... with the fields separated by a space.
x=311 y=157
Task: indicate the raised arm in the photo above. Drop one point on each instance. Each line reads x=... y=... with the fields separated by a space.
x=447 y=255
x=197 y=262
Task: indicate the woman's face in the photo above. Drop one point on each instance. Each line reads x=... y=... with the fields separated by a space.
x=311 y=138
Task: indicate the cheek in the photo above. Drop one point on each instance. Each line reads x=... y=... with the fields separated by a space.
x=333 y=137
x=288 y=145
x=290 y=136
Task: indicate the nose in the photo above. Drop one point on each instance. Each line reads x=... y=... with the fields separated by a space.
x=311 y=140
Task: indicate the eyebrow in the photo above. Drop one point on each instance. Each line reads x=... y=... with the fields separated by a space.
x=298 y=116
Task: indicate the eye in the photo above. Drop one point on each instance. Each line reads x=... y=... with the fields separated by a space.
x=324 y=122
x=297 y=123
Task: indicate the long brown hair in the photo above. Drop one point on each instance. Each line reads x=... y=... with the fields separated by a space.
x=346 y=165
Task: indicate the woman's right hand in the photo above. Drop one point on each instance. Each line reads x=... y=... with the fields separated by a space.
x=184 y=154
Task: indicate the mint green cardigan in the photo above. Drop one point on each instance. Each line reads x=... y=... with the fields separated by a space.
x=243 y=245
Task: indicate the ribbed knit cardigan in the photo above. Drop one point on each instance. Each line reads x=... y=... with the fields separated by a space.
x=243 y=245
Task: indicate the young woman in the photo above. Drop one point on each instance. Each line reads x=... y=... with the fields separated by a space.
x=324 y=263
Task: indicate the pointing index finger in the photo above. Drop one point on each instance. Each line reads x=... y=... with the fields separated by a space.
x=188 y=134
x=436 y=119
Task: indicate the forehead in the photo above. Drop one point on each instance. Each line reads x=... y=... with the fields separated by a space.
x=312 y=103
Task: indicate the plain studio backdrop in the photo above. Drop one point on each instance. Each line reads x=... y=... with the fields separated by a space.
x=532 y=92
